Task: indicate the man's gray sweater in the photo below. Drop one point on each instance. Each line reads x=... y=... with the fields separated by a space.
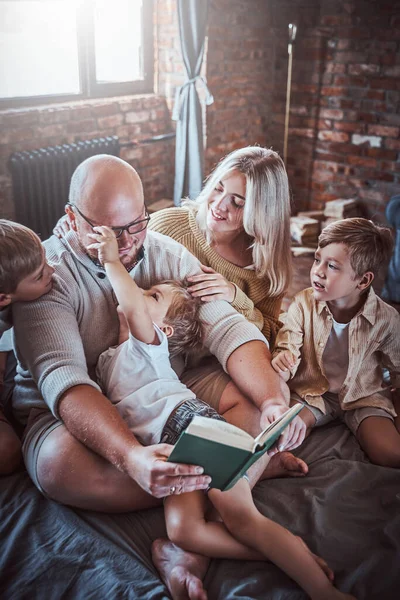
x=60 y=336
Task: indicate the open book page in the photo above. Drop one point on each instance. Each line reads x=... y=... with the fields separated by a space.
x=221 y=432
x=278 y=424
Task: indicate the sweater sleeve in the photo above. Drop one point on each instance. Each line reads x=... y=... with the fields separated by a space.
x=49 y=345
x=270 y=308
x=245 y=306
x=225 y=329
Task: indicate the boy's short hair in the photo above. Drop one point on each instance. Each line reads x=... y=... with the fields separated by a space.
x=21 y=254
x=183 y=316
x=369 y=245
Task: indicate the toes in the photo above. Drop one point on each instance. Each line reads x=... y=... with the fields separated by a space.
x=195 y=589
x=185 y=586
x=292 y=463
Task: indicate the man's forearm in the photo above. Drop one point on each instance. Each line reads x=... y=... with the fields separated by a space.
x=251 y=370
x=93 y=420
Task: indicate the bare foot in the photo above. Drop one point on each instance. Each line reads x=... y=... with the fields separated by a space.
x=285 y=464
x=181 y=571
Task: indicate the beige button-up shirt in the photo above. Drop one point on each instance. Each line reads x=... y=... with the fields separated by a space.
x=374 y=344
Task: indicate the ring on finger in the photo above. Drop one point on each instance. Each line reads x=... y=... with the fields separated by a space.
x=172 y=490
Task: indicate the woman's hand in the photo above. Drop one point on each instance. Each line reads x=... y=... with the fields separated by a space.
x=62 y=227
x=211 y=286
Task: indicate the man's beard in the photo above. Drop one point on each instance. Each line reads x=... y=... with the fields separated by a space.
x=128 y=260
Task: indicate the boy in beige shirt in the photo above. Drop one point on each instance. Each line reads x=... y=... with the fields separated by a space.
x=339 y=337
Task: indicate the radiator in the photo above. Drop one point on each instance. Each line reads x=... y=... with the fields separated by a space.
x=41 y=180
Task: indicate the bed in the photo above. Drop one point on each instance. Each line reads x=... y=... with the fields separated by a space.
x=346 y=509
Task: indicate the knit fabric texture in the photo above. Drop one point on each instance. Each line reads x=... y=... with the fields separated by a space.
x=252 y=297
x=61 y=335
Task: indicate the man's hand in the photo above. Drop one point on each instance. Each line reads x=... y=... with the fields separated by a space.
x=148 y=466
x=284 y=361
x=105 y=243
x=294 y=433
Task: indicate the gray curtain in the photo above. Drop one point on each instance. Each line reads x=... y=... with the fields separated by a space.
x=192 y=15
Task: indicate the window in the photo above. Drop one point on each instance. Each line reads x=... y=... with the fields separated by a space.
x=53 y=50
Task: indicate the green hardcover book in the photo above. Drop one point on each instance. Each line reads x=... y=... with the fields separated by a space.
x=223 y=450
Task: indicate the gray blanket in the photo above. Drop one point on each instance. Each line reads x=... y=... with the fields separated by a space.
x=346 y=509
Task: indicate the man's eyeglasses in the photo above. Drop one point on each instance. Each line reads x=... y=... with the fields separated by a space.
x=131 y=228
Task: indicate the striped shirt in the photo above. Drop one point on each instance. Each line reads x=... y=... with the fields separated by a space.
x=374 y=344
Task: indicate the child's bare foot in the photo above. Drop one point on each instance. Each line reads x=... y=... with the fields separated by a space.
x=182 y=572
x=285 y=464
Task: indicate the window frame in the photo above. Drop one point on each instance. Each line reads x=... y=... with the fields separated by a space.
x=91 y=89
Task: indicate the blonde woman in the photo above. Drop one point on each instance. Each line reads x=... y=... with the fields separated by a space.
x=238 y=228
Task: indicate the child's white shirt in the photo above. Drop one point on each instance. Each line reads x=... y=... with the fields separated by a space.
x=335 y=358
x=139 y=380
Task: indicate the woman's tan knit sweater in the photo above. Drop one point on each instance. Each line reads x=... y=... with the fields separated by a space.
x=251 y=299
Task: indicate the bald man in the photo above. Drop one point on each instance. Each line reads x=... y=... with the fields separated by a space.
x=77 y=448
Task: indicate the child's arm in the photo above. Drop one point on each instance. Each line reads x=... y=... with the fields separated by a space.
x=282 y=363
x=286 y=356
x=129 y=296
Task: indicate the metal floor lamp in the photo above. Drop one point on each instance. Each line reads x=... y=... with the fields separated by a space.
x=292 y=37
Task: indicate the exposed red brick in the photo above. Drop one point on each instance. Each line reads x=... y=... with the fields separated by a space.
x=359 y=69
x=345 y=80
x=354 y=127
x=331 y=113
x=383 y=131
x=105 y=110
x=110 y=122
x=362 y=162
x=333 y=136
x=392 y=144
x=333 y=91
x=382 y=153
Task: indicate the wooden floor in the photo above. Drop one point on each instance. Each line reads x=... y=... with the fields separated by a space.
x=301 y=280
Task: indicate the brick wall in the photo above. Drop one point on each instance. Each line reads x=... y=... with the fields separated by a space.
x=344 y=120
x=240 y=74
x=129 y=118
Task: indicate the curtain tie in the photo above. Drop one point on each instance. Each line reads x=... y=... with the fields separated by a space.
x=177 y=110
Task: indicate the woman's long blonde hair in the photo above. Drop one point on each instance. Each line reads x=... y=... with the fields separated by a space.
x=266 y=213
